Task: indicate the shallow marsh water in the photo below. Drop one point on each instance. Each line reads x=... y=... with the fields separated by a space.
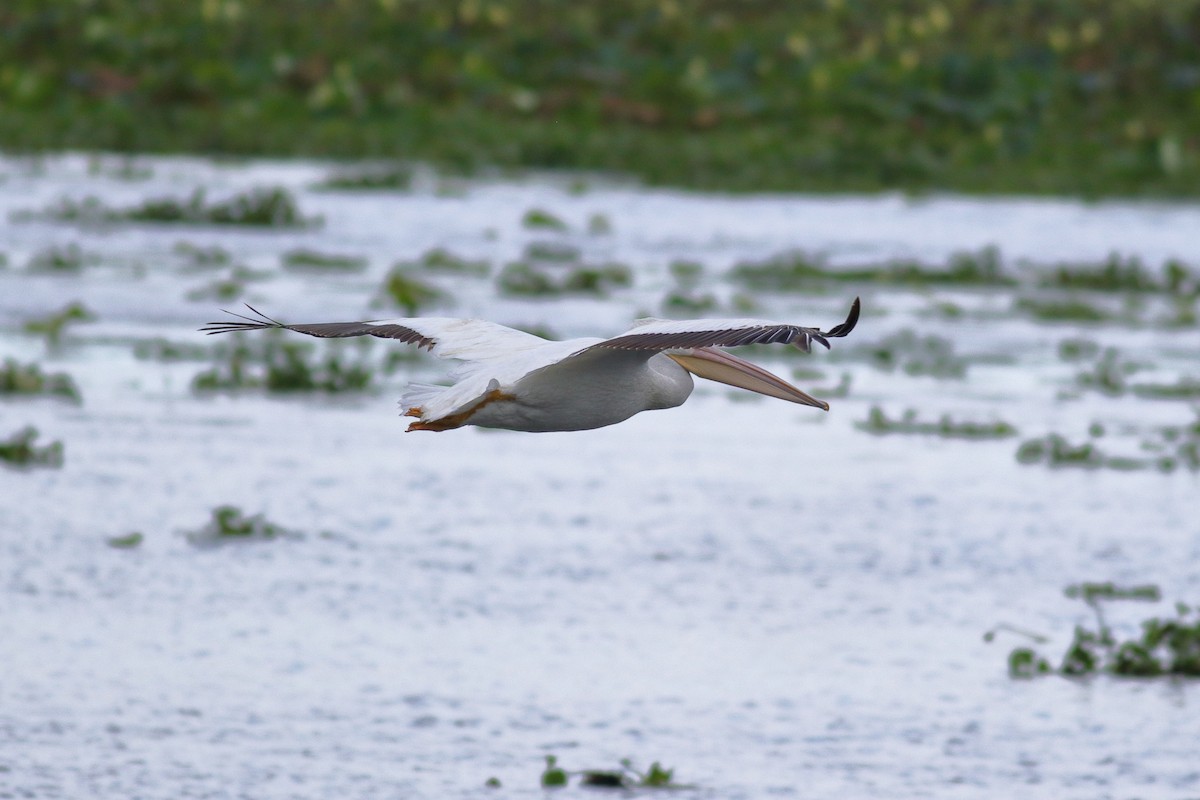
x=764 y=597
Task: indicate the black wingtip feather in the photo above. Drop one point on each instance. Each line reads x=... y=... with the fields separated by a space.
x=838 y=331
x=249 y=324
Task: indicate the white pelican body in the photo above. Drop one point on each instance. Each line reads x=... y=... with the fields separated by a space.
x=518 y=381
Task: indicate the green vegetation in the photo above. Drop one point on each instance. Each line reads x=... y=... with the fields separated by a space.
x=1077 y=349
x=229 y=286
x=553 y=252
x=203 y=257
x=1109 y=375
x=685 y=298
x=1123 y=274
x=554 y=776
x=1167 y=448
x=29 y=380
x=60 y=259
x=795 y=272
x=878 y=422
x=303 y=259
x=523 y=278
x=1055 y=451
x=401 y=289
x=222 y=289
x=230 y=524
x=1167 y=646
x=539 y=218
x=53 y=325
x=1024 y=96
x=599 y=225
x=279 y=366
x=128 y=541
x=123 y=168
x=19 y=450
x=441 y=260
x=917 y=355
x=383 y=177
x=261 y=207
x=1068 y=310
x=165 y=350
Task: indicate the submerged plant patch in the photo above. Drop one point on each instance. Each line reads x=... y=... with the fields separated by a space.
x=231 y=524
x=917 y=355
x=53 y=325
x=521 y=278
x=1167 y=646
x=403 y=290
x=60 y=259
x=387 y=177
x=540 y=218
x=1123 y=274
x=306 y=260
x=800 y=272
x=260 y=207
x=18 y=379
x=19 y=450
x=1166 y=449
x=285 y=366
x=878 y=422
x=627 y=777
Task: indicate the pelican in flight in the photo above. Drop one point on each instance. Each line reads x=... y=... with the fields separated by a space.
x=515 y=380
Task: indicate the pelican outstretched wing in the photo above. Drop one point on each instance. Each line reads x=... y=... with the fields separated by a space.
x=444 y=337
x=657 y=334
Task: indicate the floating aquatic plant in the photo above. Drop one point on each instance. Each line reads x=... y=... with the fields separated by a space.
x=917 y=355
x=306 y=260
x=801 y=271
x=272 y=207
x=127 y=541
x=1122 y=274
x=553 y=775
x=1077 y=349
x=442 y=260
x=599 y=225
x=554 y=252
x=230 y=524
x=878 y=422
x=627 y=777
x=1170 y=447
x=60 y=259
x=522 y=278
x=539 y=218
x=160 y=349
x=1066 y=310
x=383 y=177
x=52 y=326
x=403 y=290
x=1167 y=646
x=685 y=297
x=19 y=450
x=1110 y=373
x=29 y=380
x=203 y=257
x=283 y=366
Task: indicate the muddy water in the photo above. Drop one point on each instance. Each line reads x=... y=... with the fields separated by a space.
x=761 y=596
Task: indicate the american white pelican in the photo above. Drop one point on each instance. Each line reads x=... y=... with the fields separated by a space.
x=518 y=381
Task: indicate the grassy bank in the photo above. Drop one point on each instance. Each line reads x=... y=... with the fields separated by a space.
x=1036 y=96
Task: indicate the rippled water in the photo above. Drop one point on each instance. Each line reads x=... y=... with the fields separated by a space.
x=759 y=595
